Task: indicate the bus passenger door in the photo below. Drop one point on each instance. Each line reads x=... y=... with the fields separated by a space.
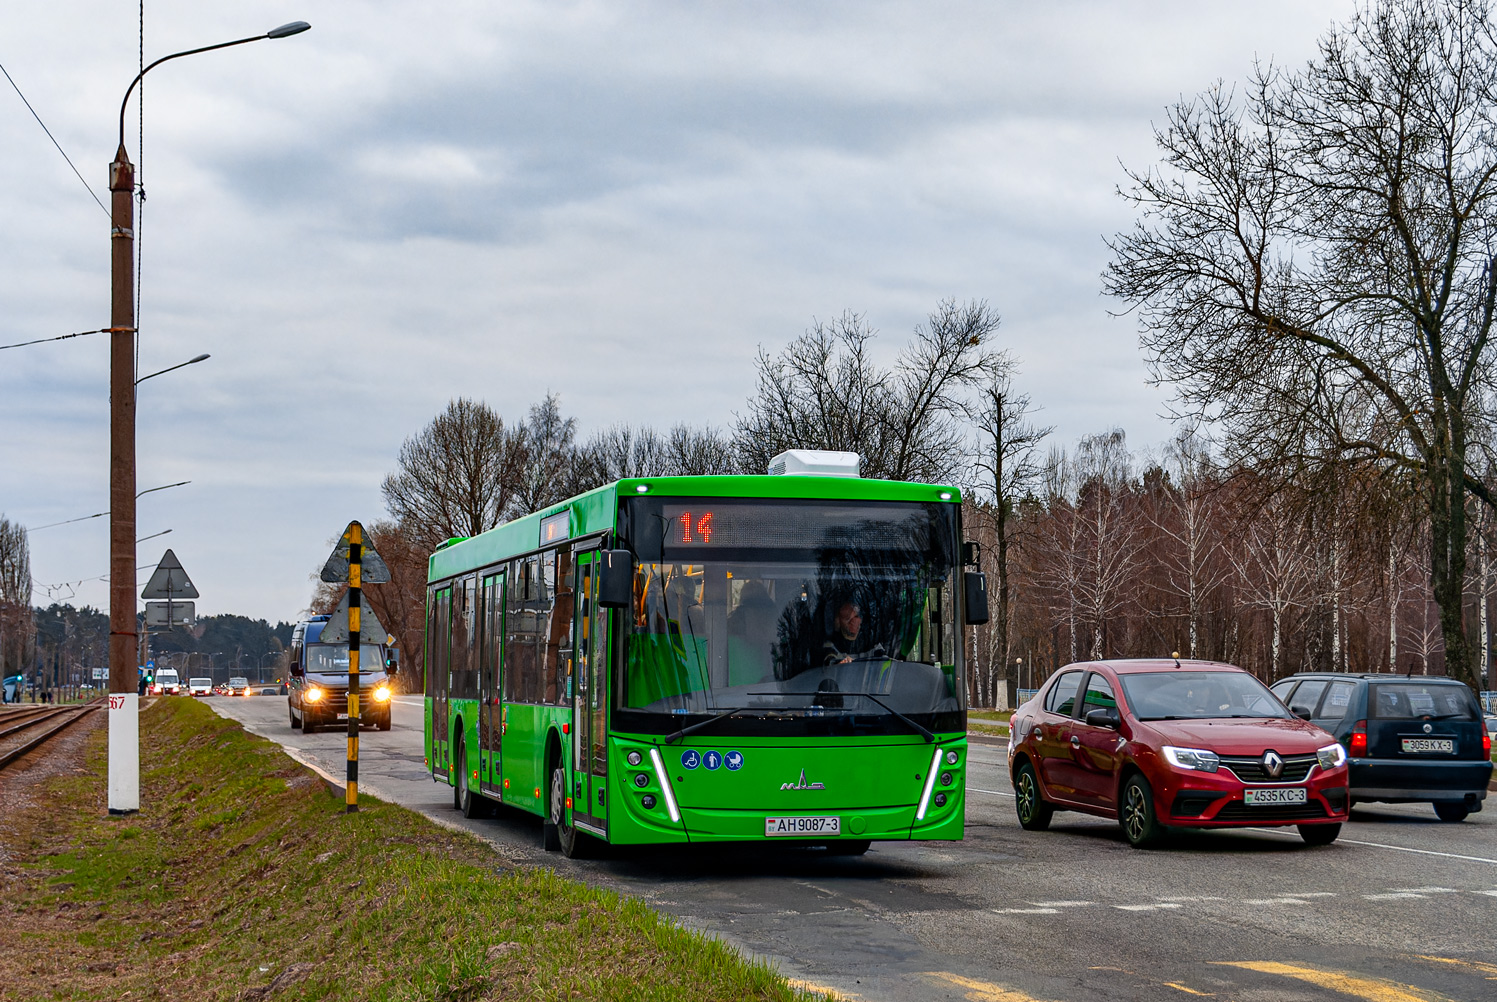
x=589 y=721
x=438 y=629
x=491 y=685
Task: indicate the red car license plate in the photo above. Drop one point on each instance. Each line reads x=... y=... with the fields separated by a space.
x=1275 y=795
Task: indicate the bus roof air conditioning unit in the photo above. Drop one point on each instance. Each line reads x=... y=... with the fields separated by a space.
x=815 y=463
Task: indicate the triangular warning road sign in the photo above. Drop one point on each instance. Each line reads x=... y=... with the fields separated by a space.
x=169 y=580
x=335 y=631
x=373 y=569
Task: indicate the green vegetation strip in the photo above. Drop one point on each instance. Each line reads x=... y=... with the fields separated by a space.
x=242 y=878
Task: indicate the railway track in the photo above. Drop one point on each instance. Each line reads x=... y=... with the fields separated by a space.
x=25 y=730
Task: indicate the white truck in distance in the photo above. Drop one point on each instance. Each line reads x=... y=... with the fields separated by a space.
x=200 y=686
x=167 y=682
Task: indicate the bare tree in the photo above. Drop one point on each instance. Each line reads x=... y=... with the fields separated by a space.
x=1315 y=263
x=1006 y=464
x=622 y=451
x=549 y=472
x=1103 y=471
x=17 y=627
x=1189 y=519
x=824 y=391
x=458 y=476
x=1272 y=572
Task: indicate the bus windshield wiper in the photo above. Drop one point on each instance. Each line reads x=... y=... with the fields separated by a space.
x=920 y=729
x=675 y=736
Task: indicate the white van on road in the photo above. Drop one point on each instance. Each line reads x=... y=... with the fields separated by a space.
x=200 y=686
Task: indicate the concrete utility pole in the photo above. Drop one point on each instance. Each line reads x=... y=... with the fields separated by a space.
x=124 y=701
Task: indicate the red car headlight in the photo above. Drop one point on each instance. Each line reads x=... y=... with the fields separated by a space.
x=1331 y=756
x=1197 y=759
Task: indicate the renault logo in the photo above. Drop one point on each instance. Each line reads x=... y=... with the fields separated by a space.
x=803 y=785
x=1272 y=764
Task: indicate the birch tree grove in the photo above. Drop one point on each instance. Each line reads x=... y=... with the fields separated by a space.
x=1314 y=264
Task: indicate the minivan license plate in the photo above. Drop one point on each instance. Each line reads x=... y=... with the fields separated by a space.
x=1416 y=745
x=342 y=716
x=803 y=826
x=1278 y=795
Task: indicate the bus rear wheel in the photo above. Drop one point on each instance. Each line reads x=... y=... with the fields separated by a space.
x=472 y=803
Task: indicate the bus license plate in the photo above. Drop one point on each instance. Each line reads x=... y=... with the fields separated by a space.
x=803 y=826
x=1417 y=745
x=1278 y=795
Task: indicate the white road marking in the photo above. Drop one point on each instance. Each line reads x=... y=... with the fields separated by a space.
x=1025 y=911
x=1193 y=897
x=1062 y=904
x=1392 y=896
x=1274 y=901
x=1425 y=890
x=996 y=793
x=1158 y=906
x=1382 y=845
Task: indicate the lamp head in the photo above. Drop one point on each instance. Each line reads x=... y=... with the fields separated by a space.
x=294 y=28
x=201 y=358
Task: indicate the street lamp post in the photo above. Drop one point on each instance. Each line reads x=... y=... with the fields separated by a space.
x=124 y=703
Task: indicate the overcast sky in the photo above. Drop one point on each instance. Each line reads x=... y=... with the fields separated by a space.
x=616 y=201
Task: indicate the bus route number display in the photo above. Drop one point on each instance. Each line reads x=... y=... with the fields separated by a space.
x=692 y=527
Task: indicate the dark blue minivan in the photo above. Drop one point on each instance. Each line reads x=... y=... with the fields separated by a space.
x=1410 y=739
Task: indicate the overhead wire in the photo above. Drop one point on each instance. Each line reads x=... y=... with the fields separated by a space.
x=60 y=337
x=92 y=194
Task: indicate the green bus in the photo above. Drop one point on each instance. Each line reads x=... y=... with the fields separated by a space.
x=709 y=659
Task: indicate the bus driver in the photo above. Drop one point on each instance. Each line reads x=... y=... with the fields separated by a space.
x=842 y=644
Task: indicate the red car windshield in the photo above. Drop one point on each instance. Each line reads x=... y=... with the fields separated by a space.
x=1199 y=695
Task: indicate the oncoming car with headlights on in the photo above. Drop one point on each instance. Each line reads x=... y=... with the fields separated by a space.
x=1161 y=744
x=317 y=695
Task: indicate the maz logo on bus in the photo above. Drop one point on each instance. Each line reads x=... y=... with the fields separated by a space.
x=701 y=525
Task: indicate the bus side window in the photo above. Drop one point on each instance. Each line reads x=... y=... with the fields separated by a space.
x=464 y=639
x=437 y=640
x=558 y=635
x=521 y=662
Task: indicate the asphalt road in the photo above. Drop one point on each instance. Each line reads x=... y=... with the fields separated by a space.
x=1402 y=908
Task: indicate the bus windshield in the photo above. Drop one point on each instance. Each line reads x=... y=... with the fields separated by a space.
x=786 y=611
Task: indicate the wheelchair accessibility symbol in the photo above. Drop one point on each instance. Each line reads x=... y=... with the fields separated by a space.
x=690 y=759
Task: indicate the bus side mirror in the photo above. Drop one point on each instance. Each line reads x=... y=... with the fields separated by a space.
x=295 y=670
x=971 y=553
x=975 y=587
x=392 y=662
x=615 y=578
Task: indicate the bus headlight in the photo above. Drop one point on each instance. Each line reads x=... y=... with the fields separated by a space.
x=382 y=694
x=312 y=695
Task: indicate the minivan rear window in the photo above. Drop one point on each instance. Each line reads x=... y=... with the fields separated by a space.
x=1421 y=700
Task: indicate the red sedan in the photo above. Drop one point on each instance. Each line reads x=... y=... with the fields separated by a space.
x=1162 y=744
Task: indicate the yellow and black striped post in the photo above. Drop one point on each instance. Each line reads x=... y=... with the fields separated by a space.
x=355 y=604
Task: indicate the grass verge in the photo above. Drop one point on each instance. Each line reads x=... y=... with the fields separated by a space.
x=242 y=878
